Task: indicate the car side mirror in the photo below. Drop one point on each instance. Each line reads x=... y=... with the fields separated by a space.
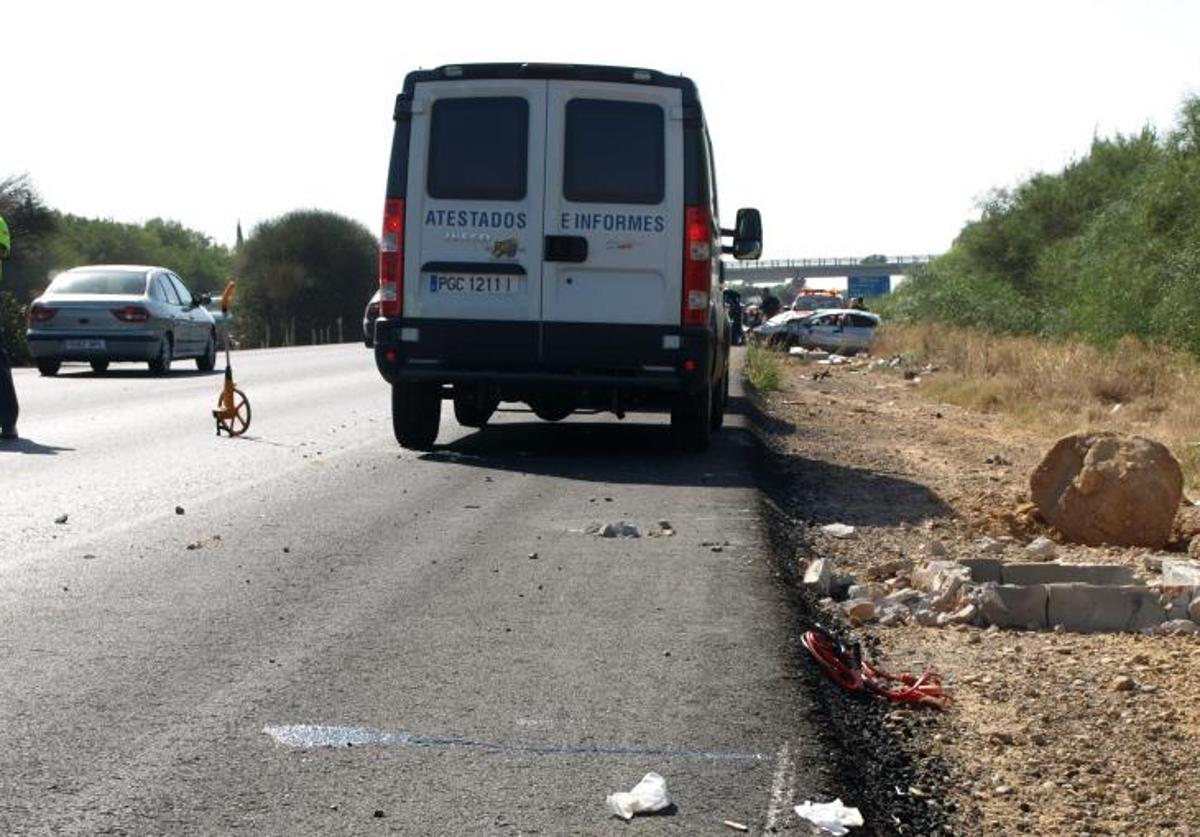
x=747 y=236
x=204 y=299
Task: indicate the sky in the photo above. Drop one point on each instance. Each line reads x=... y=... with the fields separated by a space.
x=855 y=128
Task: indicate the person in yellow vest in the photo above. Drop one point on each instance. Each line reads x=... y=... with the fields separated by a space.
x=8 y=393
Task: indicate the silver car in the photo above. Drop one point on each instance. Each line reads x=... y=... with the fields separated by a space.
x=104 y=313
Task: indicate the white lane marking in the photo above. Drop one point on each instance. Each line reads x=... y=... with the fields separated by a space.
x=781 y=790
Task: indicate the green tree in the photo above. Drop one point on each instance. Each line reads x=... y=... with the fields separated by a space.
x=301 y=274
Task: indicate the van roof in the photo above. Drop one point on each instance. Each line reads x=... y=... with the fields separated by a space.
x=573 y=72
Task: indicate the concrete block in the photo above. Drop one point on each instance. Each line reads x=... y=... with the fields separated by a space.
x=983 y=570
x=1179 y=573
x=818 y=575
x=1090 y=608
x=1011 y=606
x=937 y=576
x=1112 y=574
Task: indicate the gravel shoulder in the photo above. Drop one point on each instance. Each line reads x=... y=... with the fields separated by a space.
x=1049 y=732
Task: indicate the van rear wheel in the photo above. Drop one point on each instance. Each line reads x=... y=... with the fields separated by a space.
x=470 y=412
x=416 y=413
x=691 y=419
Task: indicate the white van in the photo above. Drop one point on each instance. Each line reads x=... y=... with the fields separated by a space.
x=551 y=236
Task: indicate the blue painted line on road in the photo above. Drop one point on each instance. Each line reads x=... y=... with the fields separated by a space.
x=302 y=735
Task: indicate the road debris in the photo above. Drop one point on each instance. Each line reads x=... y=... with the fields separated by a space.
x=736 y=826
x=620 y=529
x=179 y=510
x=838 y=530
x=646 y=797
x=61 y=519
x=831 y=817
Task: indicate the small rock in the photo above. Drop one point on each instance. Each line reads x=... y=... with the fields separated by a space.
x=179 y=510
x=964 y=615
x=926 y=618
x=718 y=548
x=1042 y=548
x=838 y=530
x=195 y=545
x=989 y=546
x=934 y=549
x=1194 y=609
x=1177 y=627
x=1001 y=737
x=1123 y=683
x=872 y=590
x=973 y=639
x=533 y=556
x=89 y=557
x=997 y=459
x=860 y=610
x=61 y=519
x=378 y=814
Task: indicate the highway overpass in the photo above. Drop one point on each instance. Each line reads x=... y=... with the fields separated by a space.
x=777 y=271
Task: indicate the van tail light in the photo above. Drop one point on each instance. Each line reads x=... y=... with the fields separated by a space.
x=391 y=259
x=41 y=314
x=697 y=265
x=131 y=314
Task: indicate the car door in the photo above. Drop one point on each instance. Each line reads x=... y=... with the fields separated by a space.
x=820 y=332
x=474 y=222
x=190 y=333
x=614 y=217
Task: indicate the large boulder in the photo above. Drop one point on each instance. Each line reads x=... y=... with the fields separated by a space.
x=1109 y=488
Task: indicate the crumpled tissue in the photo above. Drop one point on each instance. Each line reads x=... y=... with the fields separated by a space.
x=833 y=817
x=647 y=796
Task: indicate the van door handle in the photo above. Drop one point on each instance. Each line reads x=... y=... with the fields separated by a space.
x=565 y=248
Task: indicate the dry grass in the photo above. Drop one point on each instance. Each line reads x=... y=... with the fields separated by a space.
x=1059 y=387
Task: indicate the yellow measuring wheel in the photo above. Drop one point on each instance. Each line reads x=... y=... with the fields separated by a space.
x=233 y=407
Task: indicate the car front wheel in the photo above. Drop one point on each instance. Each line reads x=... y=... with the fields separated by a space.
x=207 y=361
x=49 y=366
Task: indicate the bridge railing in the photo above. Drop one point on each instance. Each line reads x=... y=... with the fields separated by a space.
x=832 y=261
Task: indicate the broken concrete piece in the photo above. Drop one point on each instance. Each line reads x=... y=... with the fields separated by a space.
x=871 y=590
x=1112 y=574
x=838 y=530
x=983 y=570
x=1179 y=573
x=937 y=576
x=926 y=618
x=818 y=575
x=1042 y=548
x=903 y=597
x=1090 y=608
x=860 y=610
x=1109 y=488
x=1008 y=606
x=1194 y=610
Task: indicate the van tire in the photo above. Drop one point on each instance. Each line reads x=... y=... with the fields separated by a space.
x=48 y=366
x=691 y=419
x=416 y=413
x=720 y=403
x=469 y=412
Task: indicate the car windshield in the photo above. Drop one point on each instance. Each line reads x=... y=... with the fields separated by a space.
x=122 y=282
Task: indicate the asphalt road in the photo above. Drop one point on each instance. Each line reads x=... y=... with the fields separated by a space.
x=341 y=636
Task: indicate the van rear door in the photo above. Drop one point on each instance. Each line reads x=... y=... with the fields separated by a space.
x=473 y=266
x=613 y=222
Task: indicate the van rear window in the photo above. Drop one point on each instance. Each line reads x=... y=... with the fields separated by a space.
x=479 y=149
x=614 y=152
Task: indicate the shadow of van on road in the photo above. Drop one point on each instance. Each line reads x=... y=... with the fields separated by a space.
x=629 y=452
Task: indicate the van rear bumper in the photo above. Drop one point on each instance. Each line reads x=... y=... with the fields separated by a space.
x=558 y=356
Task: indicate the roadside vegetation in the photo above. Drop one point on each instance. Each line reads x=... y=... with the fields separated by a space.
x=1107 y=249
x=762 y=368
x=1061 y=386
x=303 y=278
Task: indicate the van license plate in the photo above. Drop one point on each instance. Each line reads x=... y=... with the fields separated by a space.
x=93 y=345
x=470 y=283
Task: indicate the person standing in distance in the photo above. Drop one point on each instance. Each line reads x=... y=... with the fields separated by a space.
x=8 y=393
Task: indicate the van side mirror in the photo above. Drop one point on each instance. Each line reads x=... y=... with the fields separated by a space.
x=747 y=236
